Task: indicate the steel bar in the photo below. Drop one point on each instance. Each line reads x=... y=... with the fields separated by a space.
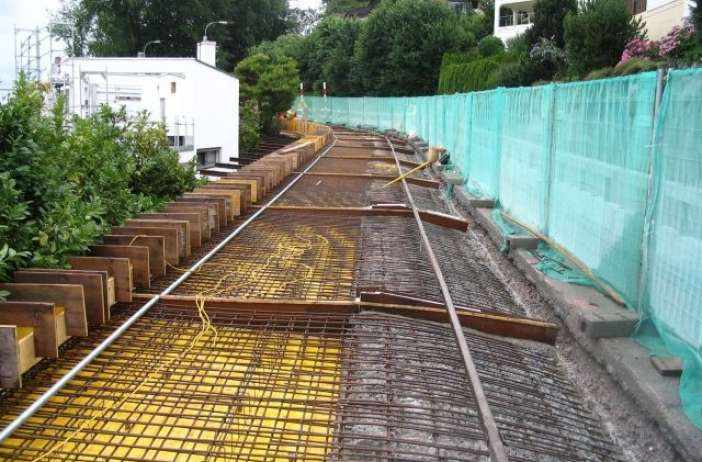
x=36 y=405
x=497 y=448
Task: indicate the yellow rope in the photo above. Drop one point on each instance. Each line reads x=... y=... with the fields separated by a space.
x=206 y=326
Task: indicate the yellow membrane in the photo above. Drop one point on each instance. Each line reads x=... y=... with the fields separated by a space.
x=261 y=393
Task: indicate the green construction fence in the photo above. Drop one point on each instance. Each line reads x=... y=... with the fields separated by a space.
x=605 y=168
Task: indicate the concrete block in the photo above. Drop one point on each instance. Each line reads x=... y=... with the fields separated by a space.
x=584 y=308
x=452 y=178
x=469 y=202
x=668 y=366
x=523 y=242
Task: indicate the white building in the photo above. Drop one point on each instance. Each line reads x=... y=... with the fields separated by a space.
x=198 y=103
x=514 y=17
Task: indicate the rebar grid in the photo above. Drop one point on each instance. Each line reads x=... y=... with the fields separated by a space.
x=392 y=260
x=264 y=389
x=376 y=167
x=337 y=191
x=284 y=255
x=302 y=386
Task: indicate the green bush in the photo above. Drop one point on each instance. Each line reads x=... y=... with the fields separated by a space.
x=249 y=126
x=600 y=73
x=63 y=184
x=548 y=21
x=490 y=46
x=634 y=66
x=596 y=36
x=400 y=46
x=476 y=75
x=271 y=81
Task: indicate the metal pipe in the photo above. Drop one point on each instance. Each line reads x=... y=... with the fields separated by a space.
x=48 y=394
x=497 y=448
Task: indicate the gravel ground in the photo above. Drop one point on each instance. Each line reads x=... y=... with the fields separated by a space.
x=638 y=435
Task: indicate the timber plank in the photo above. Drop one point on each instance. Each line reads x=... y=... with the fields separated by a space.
x=171 y=238
x=39 y=315
x=138 y=256
x=254 y=187
x=244 y=190
x=197 y=225
x=219 y=202
x=94 y=288
x=10 y=362
x=69 y=296
x=118 y=268
x=228 y=206
x=183 y=226
x=155 y=244
x=208 y=215
x=235 y=199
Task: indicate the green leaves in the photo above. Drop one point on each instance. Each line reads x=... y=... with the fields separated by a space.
x=63 y=184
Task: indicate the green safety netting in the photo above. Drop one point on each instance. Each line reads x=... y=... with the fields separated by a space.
x=673 y=292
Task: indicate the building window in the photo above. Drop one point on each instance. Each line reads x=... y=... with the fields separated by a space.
x=506 y=17
x=173 y=88
x=636 y=6
x=207 y=157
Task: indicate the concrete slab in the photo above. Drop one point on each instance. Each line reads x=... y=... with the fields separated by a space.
x=469 y=202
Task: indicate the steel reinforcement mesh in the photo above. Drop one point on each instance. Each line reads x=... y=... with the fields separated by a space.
x=284 y=255
x=392 y=260
x=300 y=386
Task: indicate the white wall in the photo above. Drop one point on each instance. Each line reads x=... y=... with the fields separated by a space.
x=662 y=15
x=205 y=98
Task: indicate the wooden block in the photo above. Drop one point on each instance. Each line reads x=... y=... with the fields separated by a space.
x=25 y=343
x=10 y=369
x=94 y=288
x=118 y=268
x=272 y=170
x=39 y=315
x=253 y=186
x=234 y=197
x=138 y=257
x=69 y=296
x=172 y=240
x=259 y=178
x=244 y=192
x=228 y=206
x=668 y=366
x=267 y=173
x=208 y=215
x=155 y=244
x=61 y=331
x=197 y=225
x=219 y=202
x=182 y=226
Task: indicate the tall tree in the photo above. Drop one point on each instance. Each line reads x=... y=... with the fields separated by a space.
x=123 y=27
x=548 y=20
x=399 y=47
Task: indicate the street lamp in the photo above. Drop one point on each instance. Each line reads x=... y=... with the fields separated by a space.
x=143 y=53
x=204 y=38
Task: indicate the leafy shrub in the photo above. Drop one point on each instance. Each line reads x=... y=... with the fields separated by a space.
x=600 y=73
x=475 y=75
x=249 y=125
x=596 y=36
x=63 y=184
x=518 y=45
x=401 y=44
x=271 y=82
x=639 y=48
x=490 y=46
x=634 y=66
x=548 y=21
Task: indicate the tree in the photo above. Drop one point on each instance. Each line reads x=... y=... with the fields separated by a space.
x=400 y=46
x=271 y=82
x=596 y=36
x=329 y=56
x=341 y=7
x=548 y=20
x=122 y=28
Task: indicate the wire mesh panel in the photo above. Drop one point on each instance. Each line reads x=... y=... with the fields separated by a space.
x=265 y=387
x=356 y=166
x=308 y=256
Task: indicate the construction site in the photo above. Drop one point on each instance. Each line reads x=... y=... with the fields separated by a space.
x=313 y=305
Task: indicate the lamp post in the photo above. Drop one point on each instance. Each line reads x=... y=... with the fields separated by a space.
x=204 y=37
x=143 y=53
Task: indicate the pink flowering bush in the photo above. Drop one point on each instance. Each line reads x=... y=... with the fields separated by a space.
x=676 y=41
x=639 y=48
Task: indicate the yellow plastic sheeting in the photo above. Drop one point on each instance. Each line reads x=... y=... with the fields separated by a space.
x=259 y=394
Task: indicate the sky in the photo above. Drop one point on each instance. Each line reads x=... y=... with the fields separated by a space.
x=36 y=13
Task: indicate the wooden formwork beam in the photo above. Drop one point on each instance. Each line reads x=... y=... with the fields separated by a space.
x=227 y=208
x=118 y=268
x=138 y=257
x=155 y=244
x=42 y=317
x=196 y=224
x=183 y=227
x=69 y=296
x=208 y=214
x=171 y=238
x=94 y=283
x=244 y=191
x=415 y=181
